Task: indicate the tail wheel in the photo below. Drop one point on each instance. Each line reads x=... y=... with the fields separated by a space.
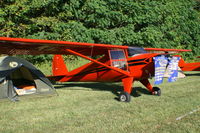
x=124 y=97
x=156 y=91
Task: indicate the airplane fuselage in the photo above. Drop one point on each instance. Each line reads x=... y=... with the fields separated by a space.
x=139 y=67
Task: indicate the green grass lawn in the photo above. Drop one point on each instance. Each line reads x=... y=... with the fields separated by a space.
x=93 y=108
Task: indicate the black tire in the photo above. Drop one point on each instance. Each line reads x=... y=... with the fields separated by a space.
x=156 y=91
x=124 y=97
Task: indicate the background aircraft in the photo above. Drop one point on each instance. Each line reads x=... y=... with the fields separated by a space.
x=115 y=63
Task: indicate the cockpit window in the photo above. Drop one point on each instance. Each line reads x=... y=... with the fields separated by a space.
x=118 y=59
x=117 y=54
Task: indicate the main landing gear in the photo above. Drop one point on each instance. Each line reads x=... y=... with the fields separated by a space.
x=127 y=82
x=156 y=91
x=124 y=97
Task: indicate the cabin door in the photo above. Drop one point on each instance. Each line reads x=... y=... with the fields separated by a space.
x=118 y=59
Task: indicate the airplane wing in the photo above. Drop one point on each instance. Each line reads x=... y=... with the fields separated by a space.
x=17 y=46
x=163 y=50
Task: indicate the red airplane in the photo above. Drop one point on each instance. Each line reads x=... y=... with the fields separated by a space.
x=115 y=63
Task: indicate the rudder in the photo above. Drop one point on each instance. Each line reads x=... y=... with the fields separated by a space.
x=58 y=66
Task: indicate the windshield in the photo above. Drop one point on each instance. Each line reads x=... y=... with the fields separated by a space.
x=135 y=50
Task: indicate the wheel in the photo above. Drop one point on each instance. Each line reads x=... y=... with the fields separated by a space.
x=156 y=91
x=124 y=97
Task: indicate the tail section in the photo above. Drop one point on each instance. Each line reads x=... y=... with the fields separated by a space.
x=58 y=66
x=189 y=66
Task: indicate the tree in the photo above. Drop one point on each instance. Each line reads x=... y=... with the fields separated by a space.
x=147 y=23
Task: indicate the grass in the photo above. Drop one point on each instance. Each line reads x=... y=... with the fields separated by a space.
x=92 y=107
x=46 y=66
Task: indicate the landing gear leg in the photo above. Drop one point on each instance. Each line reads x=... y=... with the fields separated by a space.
x=153 y=90
x=125 y=95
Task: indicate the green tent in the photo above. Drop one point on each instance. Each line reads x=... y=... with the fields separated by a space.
x=19 y=77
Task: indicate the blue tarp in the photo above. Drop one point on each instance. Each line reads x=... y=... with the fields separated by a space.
x=161 y=62
x=173 y=69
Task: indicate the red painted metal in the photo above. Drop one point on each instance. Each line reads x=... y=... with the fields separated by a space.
x=195 y=66
x=127 y=83
x=191 y=67
x=58 y=66
x=23 y=41
x=17 y=46
x=93 y=71
x=147 y=84
x=95 y=61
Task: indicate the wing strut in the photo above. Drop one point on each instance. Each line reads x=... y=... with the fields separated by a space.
x=88 y=58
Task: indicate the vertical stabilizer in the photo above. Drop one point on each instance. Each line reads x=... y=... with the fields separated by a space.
x=58 y=66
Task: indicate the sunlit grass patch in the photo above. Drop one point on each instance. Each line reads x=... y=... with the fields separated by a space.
x=92 y=107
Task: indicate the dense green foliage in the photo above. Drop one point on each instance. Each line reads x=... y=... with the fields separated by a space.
x=147 y=23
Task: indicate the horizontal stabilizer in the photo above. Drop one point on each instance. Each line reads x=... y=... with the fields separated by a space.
x=191 y=66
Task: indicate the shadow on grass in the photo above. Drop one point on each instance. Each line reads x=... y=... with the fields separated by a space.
x=95 y=86
x=192 y=74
